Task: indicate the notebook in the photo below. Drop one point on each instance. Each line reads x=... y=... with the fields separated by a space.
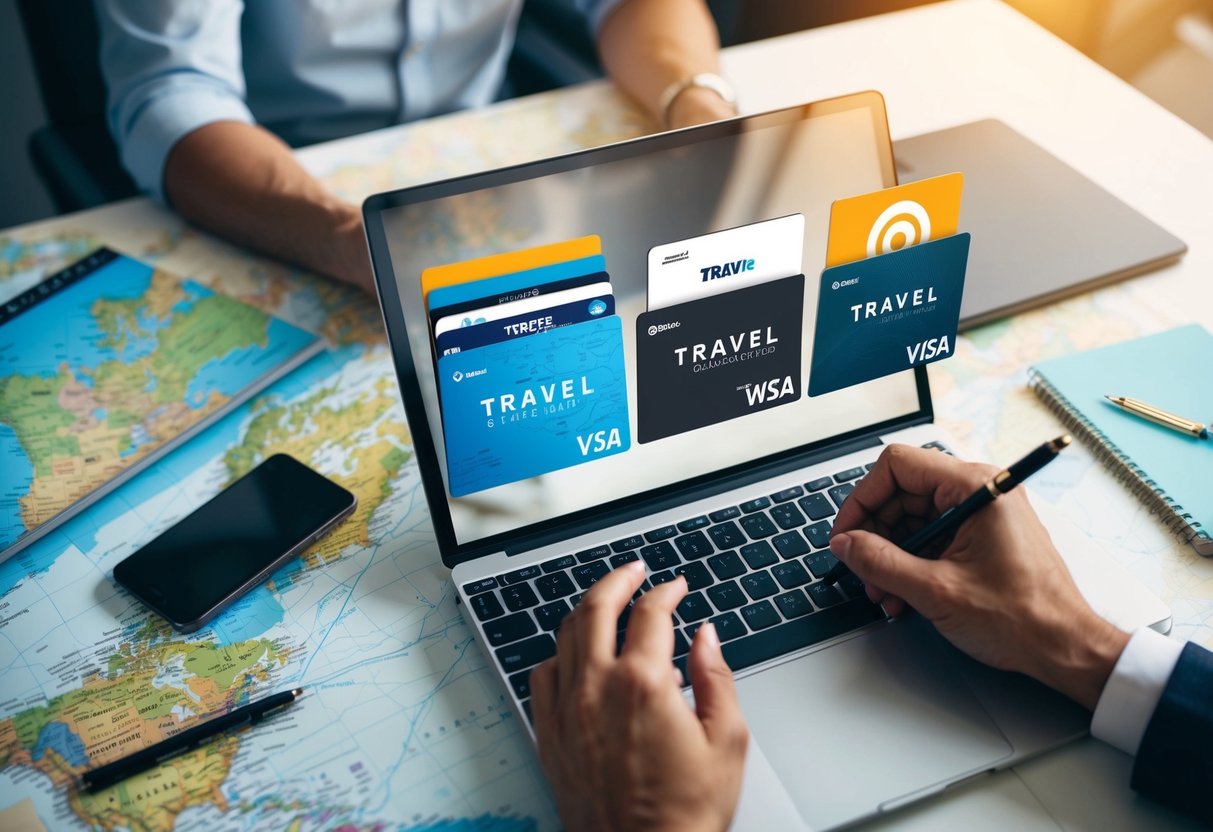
x=1171 y=472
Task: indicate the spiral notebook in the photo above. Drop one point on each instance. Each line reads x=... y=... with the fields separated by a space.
x=1171 y=472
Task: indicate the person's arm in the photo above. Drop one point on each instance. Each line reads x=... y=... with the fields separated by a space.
x=176 y=109
x=1000 y=592
x=648 y=45
x=620 y=747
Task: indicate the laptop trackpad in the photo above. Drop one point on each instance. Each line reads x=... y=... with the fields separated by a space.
x=868 y=722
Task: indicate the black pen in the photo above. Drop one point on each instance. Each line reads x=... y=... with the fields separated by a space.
x=191 y=738
x=948 y=522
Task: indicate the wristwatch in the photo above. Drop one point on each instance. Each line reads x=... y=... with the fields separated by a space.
x=706 y=80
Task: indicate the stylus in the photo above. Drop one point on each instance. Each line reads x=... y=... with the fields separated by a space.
x=191 y=738
x=946 y=524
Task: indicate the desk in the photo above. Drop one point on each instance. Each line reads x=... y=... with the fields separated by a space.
x=404 y=724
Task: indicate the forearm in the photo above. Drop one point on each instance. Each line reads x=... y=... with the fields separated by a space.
x=647 y=45
x=243 y=183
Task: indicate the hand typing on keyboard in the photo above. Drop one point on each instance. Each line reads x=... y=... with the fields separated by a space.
x=999 y=590
x=620 y=746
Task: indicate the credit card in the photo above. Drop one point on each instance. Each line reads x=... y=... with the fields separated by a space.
x=718 y=358
x=520 y=326
x=535 y=291
x=892 y=219
x=437 y=277
x=503 y=288
x=886 y=314
x=528 y=406
x=725 y=260
x=525 y=306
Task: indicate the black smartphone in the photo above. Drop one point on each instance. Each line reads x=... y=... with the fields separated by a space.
x=195 y=569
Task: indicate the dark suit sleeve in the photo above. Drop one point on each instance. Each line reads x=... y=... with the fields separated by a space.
x=1174 y=763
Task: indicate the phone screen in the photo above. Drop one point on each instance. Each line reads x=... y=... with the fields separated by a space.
x=196 y=568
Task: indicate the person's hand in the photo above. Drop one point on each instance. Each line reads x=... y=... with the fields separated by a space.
x=697 y=105
x=999 y=590
x=620 y=745
x=352 y=260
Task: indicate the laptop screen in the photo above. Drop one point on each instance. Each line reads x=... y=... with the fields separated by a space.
x=580 y=332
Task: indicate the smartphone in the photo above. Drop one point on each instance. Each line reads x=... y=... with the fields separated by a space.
x=194 y=570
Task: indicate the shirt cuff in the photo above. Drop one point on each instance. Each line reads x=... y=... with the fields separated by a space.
x=1134 y=688
x=168 y=116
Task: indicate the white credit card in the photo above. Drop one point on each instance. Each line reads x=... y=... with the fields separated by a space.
x=725 y=260
x=520 y=307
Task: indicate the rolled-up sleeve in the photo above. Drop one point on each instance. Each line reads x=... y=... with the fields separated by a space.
x=597 y=11
x=169 y=69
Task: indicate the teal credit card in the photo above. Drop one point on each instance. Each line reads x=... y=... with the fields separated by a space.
x=886 y=314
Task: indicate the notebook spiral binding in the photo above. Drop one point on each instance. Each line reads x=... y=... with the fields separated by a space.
x=1171 y=513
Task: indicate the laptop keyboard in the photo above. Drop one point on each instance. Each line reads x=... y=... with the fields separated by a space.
x=752 y=569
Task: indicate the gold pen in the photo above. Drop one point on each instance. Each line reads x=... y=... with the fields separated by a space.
x=1159 y=416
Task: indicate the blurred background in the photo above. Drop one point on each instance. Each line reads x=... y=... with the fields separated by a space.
x=55 y=154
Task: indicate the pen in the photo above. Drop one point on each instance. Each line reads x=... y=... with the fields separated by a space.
x=1160 y=416
x=191 y=738
x=948 y=522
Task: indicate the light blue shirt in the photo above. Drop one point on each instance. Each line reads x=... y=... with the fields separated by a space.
x=310 y=70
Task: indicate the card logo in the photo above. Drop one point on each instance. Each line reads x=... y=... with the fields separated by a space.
x=726 y=269
x=904 y=223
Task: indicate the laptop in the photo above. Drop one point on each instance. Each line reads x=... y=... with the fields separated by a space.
x=1041 y=230
x=554 y=444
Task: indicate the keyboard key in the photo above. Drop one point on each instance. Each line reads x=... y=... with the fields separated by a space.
x=759 y=585
x=482 y=585
x=633 y=542
x=849 y=474
x=755 y=505
x=521 y=683
x=511 y=628
x=726 y=535
x=819 y=483
x=727 y=596
x=621 y=623
x=550 y=615
x=528 y=653
x=760 y=616
x=869 y=466
x=622 y=558
x=522 y=575
x=824 y=595
x=726 y=565
x=693 y=545
x=518 y=597
x=566 y=562
x=788 y=516
x=555 y=586
x=697 y=575
x=591 y=573
x=790 y=574
x=840 y=492
x=801 y=632
x=794 y=604
x=485 y=606
x=526 y=709
x=758 y=526
x=660 y=556
x=819 y=563
x=662 y=577
x=693 y=524
x=759 y=554
x=724 y=514
x=787 y=494
x=819 y=534
x=681 y=646
x=790 y=544
x=816 y=507
x=694 y=607
x=664 y=533
x=851 y=586
x=574 y=600
x=728 y=626
x=593 y=554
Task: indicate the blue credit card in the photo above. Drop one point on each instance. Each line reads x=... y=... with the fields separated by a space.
x=886 y=314
x=529 y=406
x=522 y=326
x=479 y=291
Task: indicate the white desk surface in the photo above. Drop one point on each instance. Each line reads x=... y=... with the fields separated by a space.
x=937 y=66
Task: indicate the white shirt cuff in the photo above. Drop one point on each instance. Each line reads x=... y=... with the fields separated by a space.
x=1134 y=688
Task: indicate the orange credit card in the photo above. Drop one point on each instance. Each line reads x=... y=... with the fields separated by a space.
x=509 y=262
x=892 y=219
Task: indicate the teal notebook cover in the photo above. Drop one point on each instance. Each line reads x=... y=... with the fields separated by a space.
x=1172 y=472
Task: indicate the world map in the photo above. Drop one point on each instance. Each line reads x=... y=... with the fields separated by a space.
x=103 y=372
x=403 y=724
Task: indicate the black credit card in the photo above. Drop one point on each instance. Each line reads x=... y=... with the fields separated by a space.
x=718 y=358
